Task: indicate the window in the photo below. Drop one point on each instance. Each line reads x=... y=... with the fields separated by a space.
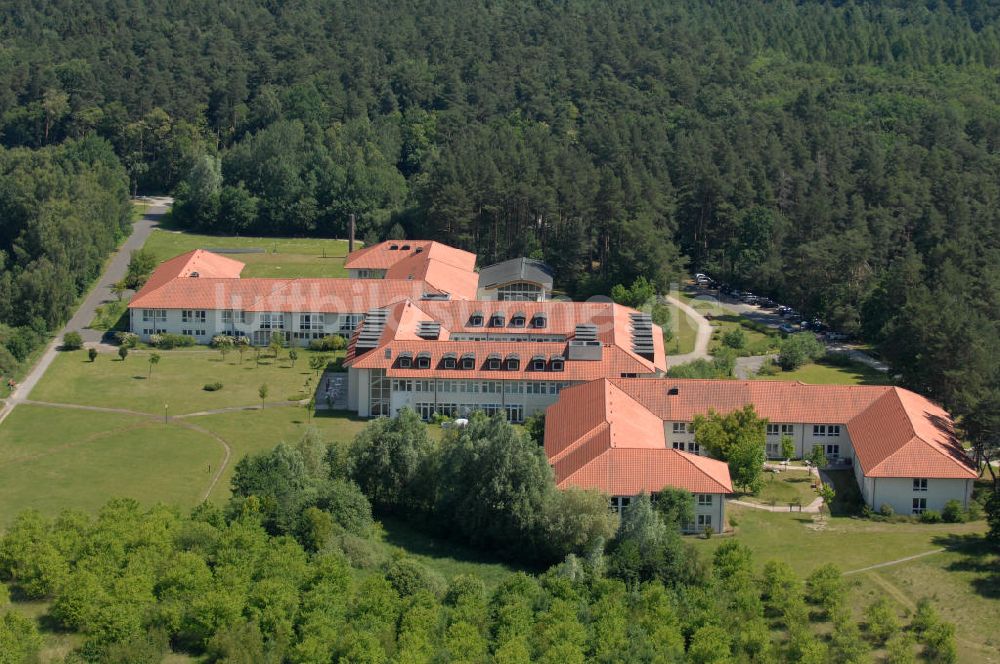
x=678 y=445
x=476 y=320
x=704 y=521
x=405 y=361
x=557 y=364
x=680 y=427
x=538 y=364
x=819 y=429
x=517 y=320
x=519 y=291
x=826 y=429
x=379 y=393
x=919 y=505
x=515 y=412
x=348 y=322
x=424 y=410
x=833 y=450
x=310 y=321
x=618 y=503
x=227 y=317
x=192 y=315
x=424 y=361
x=496 y=320
x=694 y=447
x=449 y=361
x=513 y=364
x=772 y=429
x=772 y=449
x=154 y=315
x=538 y=321
x=272 y=321
x=780 y=429
x=704 y=500
x=469 y=362
x=493 y=363
x=920 y=484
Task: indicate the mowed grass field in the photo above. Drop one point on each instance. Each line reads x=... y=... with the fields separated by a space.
x=278 y=257
x=962 y=580
x=51 y=460
x=685 y=332
x=176 y=381
x=825 y=373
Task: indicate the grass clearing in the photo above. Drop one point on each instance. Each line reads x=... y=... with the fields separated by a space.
x=963 y=583
x=55 y=459
x=825 y=373
x=279 y=257
x=176 y=381
x=685 y=333
x=756 y=342
x=784 y=488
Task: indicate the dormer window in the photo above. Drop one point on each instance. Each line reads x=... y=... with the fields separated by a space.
x=517 y=320
x=493 y=362
x=469 y=361
x=393 y=247
x=405 y=360
x=557 y=363
x=424 y=360
x=405 y=247
x=496 y=320
x=539 y=321
x=449 y=361
x=538 y=363
x=476 y=319
x=513 y=362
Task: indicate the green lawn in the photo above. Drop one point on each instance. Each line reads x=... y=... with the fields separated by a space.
x=784 y=488
x=963 y=581
x=824 y=373
x=755 y=341
x=685 y=333
x=176 y=381
x=53 y=459
x=280 y=257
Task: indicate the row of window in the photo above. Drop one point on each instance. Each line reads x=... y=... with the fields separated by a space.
x=538 y=321
x=691 y=447
x=268 y=321
x=495 y=336
x=820 y=430
x=191 y=332
x=701 y=500
x=826 y=430
x=479 y=386
x=468 y=362
x=780 y=429
x=514 y=412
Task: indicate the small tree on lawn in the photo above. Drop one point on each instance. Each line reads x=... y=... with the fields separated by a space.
x=122 y=352
x=154 y=359
x=92 y=354
x=262 y=393
x=276 y=344
x=318 y=362
x=72 y=341
x=787 y=447
x=293 y=355
x=818 y=456
x=827 y=493
x=241 y=347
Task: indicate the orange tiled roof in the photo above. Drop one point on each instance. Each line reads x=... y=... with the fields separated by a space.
x=198 y=261
x=399 y=335
x=894 y=432
x=597 y=436
x=383 y=256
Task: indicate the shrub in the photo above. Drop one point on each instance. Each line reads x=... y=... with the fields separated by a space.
x=127 y=339
x=799 y=349
x=212 y=387
x=223 y=341
x=886 y=510
x=953 y=512
x=168 y=341
x=362 y=553
x=735 y=338
x=769 y=368
x=408 y=577
x=328 y=343
x=930 y=516
x=72 y=341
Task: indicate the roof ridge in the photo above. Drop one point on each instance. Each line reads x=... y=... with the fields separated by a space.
x=579 y=442
x=690 y=459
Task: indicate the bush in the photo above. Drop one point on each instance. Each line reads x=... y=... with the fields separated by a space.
x=408 y=577
x=799 y=349
x=360 y=552
x=735 y=338
x=769 y=368
x=953 y=512
x=168 y=341
x=886 y=510
x=328 y=343
x=930 y=516
x=212 y=387
x=127 y=339
x=72 y=341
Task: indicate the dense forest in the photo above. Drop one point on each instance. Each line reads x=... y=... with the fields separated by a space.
x=841 y=156
x=295 y=570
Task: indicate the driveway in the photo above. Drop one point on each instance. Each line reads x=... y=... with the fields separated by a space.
x=702 y=337
x=100 y=293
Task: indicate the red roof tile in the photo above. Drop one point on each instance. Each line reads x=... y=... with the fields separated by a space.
x=197 y=262
x=382 y=256
x=597 y=436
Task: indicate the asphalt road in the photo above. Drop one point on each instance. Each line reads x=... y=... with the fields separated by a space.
x=99 y=294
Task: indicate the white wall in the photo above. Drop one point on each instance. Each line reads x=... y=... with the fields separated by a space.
x=174 y=324
x=898 y=492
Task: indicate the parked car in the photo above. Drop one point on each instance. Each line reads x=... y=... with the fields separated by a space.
x=766 y=302
x=788 y=329
x=749 y=298
x=837 y=336
x=784 y=311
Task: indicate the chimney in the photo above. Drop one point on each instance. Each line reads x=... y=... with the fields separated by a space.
x=350 y=234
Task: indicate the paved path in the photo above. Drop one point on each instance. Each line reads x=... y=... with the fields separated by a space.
x=811 y=508
x=703 y=336
x=100 y=293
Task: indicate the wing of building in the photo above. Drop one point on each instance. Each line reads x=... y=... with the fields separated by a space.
x=201 y=294
x=518 y=279
x=456 y=356
x=901 y=447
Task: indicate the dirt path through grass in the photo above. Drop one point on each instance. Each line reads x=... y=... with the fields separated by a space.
x=894 y=562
